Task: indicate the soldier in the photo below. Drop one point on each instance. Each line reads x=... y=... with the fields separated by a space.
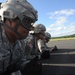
x=16 y=17
x=46 y=39
x=42 y=43
x=44 y=49
x=38 y=33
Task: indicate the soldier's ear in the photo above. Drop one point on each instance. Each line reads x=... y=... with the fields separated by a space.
x=7 y=21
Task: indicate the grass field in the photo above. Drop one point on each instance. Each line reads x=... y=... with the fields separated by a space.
x=58 y=39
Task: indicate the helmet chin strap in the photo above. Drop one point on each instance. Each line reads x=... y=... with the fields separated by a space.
x=15 y=30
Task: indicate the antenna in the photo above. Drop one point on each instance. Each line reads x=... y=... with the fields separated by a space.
x=0 y=5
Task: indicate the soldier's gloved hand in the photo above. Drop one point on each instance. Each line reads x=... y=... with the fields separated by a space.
x=34 y=60
x=45 y=55
x=54 y=48
x=32 y=68
x=10 y=69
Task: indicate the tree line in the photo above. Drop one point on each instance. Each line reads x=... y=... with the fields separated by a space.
x=67 y=36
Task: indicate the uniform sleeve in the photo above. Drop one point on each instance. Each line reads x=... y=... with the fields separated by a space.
x=42 y=46
x=4 y=59
x=22 y=63
x=29 y=45
x=28 y=48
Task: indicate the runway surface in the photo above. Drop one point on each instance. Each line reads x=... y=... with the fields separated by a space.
x=62 y=61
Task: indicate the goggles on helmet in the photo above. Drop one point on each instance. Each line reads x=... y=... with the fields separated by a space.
x=26 y=22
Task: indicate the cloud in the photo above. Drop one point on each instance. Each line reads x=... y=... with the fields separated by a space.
x=62 y=25
x=61 y=20
x=66 y=12
x=61 y=30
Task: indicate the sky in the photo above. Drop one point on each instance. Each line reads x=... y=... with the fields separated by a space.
x=58 y=16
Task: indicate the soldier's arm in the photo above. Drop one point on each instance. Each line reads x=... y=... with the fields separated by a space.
x=41 y=46
x=31 y=67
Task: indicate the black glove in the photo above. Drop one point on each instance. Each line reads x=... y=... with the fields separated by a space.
x=10 y=69
x=32 y=68
x=34 y=60
x=54 y=48
x=45 y=55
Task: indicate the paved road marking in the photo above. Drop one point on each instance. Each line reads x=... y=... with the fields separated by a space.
x=62 y=53
x=64 y=65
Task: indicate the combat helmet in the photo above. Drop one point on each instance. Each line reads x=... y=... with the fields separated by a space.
x=18 y=8
x=47 y=35
x=38 y=28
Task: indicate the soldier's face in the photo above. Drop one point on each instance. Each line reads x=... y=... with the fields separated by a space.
x=21 y=30
x=16 y=29
x=24 y=27
x=41 y=36
x=45 y=40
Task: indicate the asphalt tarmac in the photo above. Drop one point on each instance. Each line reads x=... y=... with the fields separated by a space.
x=62 y=61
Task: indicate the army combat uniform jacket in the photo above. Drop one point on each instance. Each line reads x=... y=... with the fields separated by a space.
x=37 y=46
x=32 y=44
x=11 y=53
x=42 y=46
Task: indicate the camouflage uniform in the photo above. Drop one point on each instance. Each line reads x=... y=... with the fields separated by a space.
x=31 y=42
x=46 y=40
x=29 y=45
x=11 y=53
x=13 y=56
x=38 y=29
x=43 y=46
x=39 y=48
